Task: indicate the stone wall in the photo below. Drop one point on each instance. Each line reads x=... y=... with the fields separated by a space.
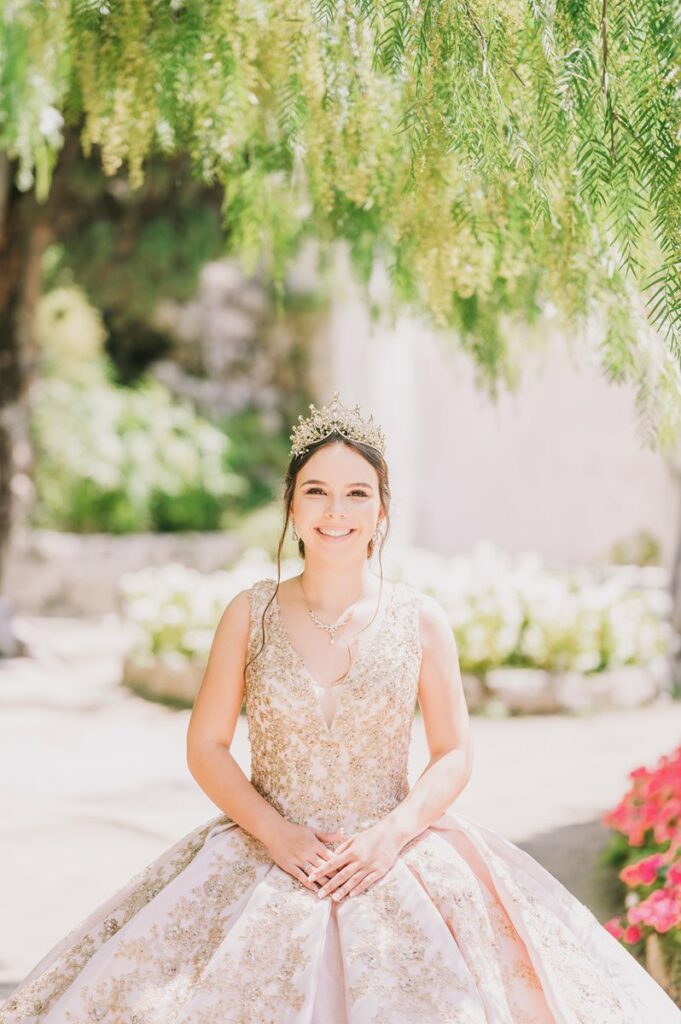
x=75 y=574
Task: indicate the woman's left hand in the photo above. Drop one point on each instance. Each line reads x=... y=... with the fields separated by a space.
x=358 y=862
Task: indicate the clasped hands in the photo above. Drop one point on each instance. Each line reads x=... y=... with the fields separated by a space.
x=356 y=862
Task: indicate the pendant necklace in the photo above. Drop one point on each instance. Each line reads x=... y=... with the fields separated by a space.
x=332 y=627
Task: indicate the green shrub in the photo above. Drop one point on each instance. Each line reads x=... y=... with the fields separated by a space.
x=119 y=460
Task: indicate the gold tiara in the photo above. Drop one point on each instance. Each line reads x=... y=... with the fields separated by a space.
x=336 y=416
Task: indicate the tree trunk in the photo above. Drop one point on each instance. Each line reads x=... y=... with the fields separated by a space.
x=26 y=229
x=24 y=234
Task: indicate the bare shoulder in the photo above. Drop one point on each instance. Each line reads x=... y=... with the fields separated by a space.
x=434 y=626
x=235 y=620
x=238 y=611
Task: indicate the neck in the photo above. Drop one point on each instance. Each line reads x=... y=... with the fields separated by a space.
x=331 y=591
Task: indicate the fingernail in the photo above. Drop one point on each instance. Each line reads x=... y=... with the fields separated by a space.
x=336 y=896
x=321 y=893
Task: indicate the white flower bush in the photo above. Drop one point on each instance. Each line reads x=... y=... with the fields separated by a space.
x=519 y=612
x=502 y=611
x=121 y=459
x=173 y=610
x=477 y=594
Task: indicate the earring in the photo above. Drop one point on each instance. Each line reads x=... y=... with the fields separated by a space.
x=376 y=535
x=294 y=532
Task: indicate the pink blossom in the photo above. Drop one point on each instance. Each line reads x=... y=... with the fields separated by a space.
x=643 y=872
x=649 y=815
x=614 y=926
x=674 y=874
x=652 y=804
x=661 y=910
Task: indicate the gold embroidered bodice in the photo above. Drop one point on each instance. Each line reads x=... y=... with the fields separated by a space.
x=353 y=771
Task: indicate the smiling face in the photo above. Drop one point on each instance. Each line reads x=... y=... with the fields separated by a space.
x=336 y=492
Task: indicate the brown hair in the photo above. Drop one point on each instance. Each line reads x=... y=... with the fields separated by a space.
x=374 y=458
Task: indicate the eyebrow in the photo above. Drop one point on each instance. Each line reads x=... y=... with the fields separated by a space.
x=359 y=484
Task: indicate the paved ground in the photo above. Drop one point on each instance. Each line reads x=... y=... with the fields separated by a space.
x=94 y=785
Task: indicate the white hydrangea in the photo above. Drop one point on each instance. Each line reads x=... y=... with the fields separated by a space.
x=501 y=611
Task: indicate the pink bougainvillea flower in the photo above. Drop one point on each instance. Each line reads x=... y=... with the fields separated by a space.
x=661 y=910
x=674 y=874
x=632 y=934
x=643 y=872
x=649 y=815
x=614 y=926
x=652 y=804
x=639 y=773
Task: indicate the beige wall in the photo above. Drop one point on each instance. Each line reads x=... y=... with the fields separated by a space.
x=556 y=467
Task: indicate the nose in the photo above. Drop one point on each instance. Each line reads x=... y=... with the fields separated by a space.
x=336 y=506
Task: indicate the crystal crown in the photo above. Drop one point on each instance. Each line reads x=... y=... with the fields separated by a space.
x=336 y=416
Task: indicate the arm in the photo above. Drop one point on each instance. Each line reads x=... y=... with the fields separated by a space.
x=209 y=736
x=447 y=726
x=213 y=721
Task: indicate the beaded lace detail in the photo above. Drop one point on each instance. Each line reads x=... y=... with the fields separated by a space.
x=353 y=771
x=464 y=928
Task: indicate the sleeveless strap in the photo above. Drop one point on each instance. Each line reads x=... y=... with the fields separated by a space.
x=258 y=596
x=406 y=607
x=410 y=618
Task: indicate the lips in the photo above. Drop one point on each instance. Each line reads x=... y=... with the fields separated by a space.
x=339 y=538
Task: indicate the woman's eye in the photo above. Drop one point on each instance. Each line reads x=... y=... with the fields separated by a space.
x=318 y=490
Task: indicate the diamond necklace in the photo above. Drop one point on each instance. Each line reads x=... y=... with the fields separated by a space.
x=331 y=627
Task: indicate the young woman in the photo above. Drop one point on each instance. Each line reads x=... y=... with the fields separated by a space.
x=326 y=891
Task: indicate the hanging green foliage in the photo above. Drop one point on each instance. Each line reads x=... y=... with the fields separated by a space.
x=495 y=156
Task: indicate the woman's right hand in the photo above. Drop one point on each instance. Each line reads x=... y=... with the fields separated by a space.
x=293 y=845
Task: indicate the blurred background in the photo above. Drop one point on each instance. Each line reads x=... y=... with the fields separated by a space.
x=160 y=333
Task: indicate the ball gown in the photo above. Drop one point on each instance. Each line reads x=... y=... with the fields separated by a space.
x=465 y=928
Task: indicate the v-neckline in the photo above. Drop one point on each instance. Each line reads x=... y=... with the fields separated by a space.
x=312 y=683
